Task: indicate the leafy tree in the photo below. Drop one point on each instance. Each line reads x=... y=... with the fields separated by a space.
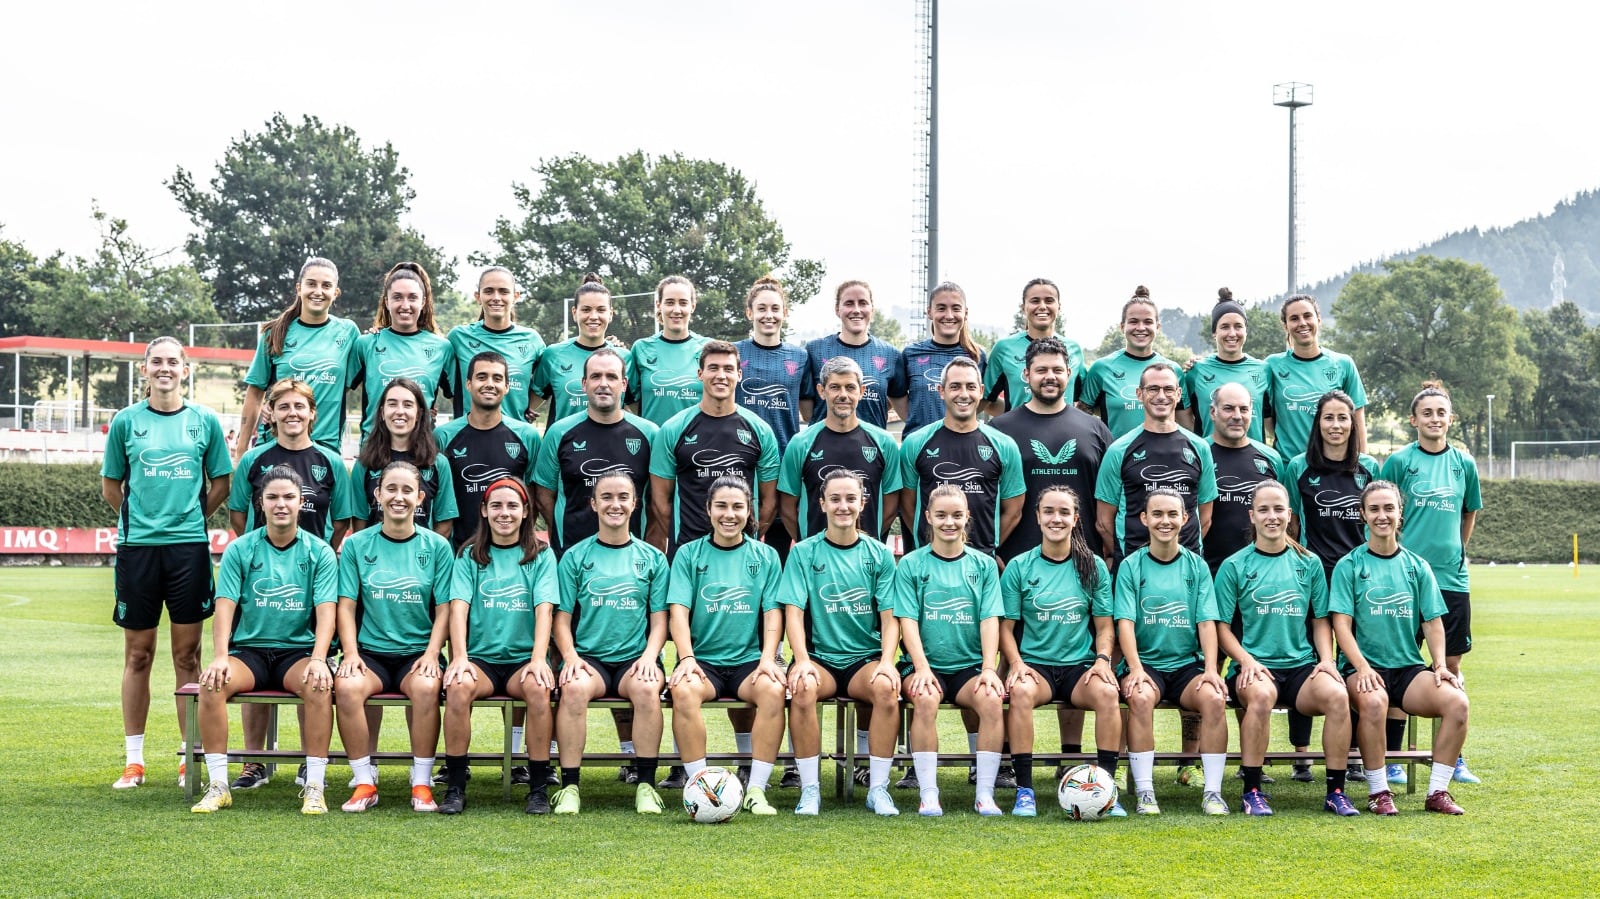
x=292 y=191
x=1566 y=403
x=1430 y=318
x=887 y=328
x=635 y=220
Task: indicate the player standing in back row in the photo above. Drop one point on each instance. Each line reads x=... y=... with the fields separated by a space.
x=496 y=331
x=1111 y=386
x=1005 y=375
x=877 y=358
x=484 y=445
x=770 y=384
x=922 y=363
x=659 y=377
x=1302 y=374
x=840 y=441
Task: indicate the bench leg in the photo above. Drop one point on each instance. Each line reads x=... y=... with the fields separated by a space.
x=846 y=775
x=191 y=739
x=507 y=714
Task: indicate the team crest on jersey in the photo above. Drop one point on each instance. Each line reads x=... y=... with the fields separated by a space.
x=753 y=567
x=1258 y=379
x=339 y=341
x=193 y=431
x=640 y=568
x=743 y=435
x=870 y=453
x=423 y=556
x=633 y=444
x=428 y=351
x=514 y=450
x=1261 y=466
x=319 y=472
x=878 y=362
x=1188 y=455
x=303 y=564
x=1331 y=375
x=986 y=452
x=972 y=578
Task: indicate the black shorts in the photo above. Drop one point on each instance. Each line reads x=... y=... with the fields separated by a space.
x=1287 y=680
x=1395 y=681
x=843 y=676
x=391 y=669
x=610 y=674
x=269 y=666
x=1061 y=680
x=951 y=682
x=177 y=576
x=1171 y=684
x=1457 y=623
x=725 y=679
x=499 y=675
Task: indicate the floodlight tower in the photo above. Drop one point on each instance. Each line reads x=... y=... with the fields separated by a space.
x=925 y=218
x=1293 y=95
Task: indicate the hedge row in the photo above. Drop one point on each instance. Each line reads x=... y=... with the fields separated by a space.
x=1522 y=521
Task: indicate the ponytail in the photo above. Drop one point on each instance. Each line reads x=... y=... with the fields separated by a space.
x=277 y=330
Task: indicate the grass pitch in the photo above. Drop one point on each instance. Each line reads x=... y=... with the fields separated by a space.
x=1530 y=829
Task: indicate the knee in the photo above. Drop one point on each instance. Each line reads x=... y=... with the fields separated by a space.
x=686 y=697
x=803 y=702
x=138 y=660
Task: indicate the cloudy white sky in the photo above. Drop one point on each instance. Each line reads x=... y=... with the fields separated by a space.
x=1103 y=145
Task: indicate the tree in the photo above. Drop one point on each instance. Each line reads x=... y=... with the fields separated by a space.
x=1432 y=319
x=633 y=221
x=887 y=328
x=1566 y=403
x=294 y=191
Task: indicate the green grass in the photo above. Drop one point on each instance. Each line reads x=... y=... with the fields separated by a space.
x=1529 y=830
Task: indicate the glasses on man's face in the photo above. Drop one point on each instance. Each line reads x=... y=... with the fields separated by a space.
x=1161 y=389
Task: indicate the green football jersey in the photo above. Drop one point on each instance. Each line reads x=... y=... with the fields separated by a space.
x=1295 y=386
x=323 y=356
x=1111 y=389
x=1002 y=373
x=611 y=592
x=1438 y=489
x=726 y=590
x=1274 y=595
x=165 y=460
x=559 y=378
x=948 y=598
x=277 y=589
x=843 y=590
x=1387 y=599
x=1209 y=372
x=1055 y=611
x=522 y=347
x=501 y=599
x=422 y=356
x=1166 y=601
x=396 y=584
x=664 y=375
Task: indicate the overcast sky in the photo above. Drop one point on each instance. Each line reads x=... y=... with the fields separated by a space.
x=1103 y=145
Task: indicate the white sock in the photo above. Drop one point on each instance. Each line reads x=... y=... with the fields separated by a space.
x=372 y=772
x=761 y=773
x=972 y=742
x=316 y=771
x=988 y=767
x=1377 y=780
x=362 y=769
x=625 y=746
x=1144 y=770
x=808 y=771
x=878 y=772
x=1214 y=765
x=690 y=769
x=741 y=742
x=134 y=747
x=516 y=739
x=421 y=771
x=217 y=767
x=861 y=743
x=1438 y=779
x=926 y=764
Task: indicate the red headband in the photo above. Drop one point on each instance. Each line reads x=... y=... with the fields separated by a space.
x=513 y=483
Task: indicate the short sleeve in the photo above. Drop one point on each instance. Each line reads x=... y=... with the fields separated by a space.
x=239 y=490
x=115 y=463
x=545 y=590
x=660 y=583
x=890 y=451
x=680 y=589
x=770 y=578
x=230 y=573
x=1225 y=589
x=907 y=604
x=546 y=473
x=1101 y=606
x=349 y=574
x=443 y=572
x=444 y=505
x=792 y=588
x=217 y=461
x=325 y=580
x=1316 y=590
x=1011 y=582
x=463 y=579
x=1127 y=599
x=260 y=374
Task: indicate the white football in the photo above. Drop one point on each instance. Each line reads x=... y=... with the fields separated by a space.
x=1087 y=793
x=712 y=796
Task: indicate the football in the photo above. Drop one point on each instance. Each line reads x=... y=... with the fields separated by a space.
x=1087 y=793
x=712 y=796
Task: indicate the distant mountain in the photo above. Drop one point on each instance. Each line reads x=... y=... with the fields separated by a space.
x=1538 y=261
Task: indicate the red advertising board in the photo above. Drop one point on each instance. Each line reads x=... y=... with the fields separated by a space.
x=78 y=541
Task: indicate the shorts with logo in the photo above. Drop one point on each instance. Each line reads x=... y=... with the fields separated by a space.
x=725 y=679
x=1289 y=681
x=177 y=576
x=390 y=669
x=270 y=666
x=1457 y=623
x=1171 y=684
x=1061 y=680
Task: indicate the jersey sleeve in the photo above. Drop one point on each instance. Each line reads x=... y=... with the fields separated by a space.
x=360 y=502
x=1473 y=501
x=1126 y=603
x=1225 y=590
x=792 y=588
x=325 y=577
x=883 y=584
x=443 y=571
x=531 y=446
x=1011 y=480
x=790 y=473
x=546 y=471
x=1291 y=479
x=352 y=356
x=1352 y=383
x=260 y=374
x=1011 y=582
x=230 y=573
x=994 y=380
x=910 y=447
x=545 y=590
x=680 y=586
x=1341 y=589
x=464 y=580
x=767 y=463
x=1101 y=605
x=1206 y=490
x=444 y=505
x=343 y=498
x=889 y=450
x=630 y=372
x=899 y=377
x=907 y=602
x=1089 y=386
x=349 y=574
x=239 y=490
x=1316 y=590
x=217 y=461
x=1108 y=481
x=1191 y=386
x=1205 y=598
x=1430 y=603
x=115 y=463
x=771 y=575
x=660 y=582
x=663 y=463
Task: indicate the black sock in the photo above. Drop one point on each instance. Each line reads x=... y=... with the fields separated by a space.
x=1395 y=728
x=1335 y=779
x=1299 y=728
x=455 y=768
x=1023 y=763
x=538 y=772
x=1252 y=777
x=646 y=768
x=1071 y=747
x=1107 y=759
x=569 y=776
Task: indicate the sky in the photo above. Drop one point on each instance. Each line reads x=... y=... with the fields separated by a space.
x=1102 y=145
